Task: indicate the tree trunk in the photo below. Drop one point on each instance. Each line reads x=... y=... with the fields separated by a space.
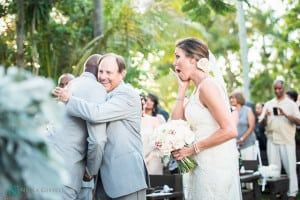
x=98 y=18
x=243 y=48
x=20 y=35
x=35 y=53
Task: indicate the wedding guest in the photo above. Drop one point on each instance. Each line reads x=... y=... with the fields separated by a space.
x=87 y=186
x=298 y=104
x=208 y=112
x=64 y=79
x=151 y=107
x=62 y=82
x=148 y=124
x=259 y=129
x=80 y=143
x=298 y=126
x=280 y=116
x=163 y=112
x=245 y=125
x=292 y=94
x=123 y=159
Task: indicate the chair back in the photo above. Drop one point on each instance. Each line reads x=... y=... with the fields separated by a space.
x=251 y=164
x=172 y=180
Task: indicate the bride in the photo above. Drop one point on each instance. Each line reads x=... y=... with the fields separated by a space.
x=208 y=112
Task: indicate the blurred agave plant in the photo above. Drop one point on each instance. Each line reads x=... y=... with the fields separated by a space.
x=29 y=169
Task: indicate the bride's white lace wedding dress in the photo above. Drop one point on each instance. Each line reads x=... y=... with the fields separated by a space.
x=217 y=176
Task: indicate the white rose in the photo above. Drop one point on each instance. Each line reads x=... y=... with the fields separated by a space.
x=203 y=64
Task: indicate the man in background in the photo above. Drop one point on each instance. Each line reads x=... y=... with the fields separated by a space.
x=64 y=79
x=280 y=116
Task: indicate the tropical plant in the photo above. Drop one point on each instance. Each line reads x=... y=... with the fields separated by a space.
x=61 y=35
x=29 y=168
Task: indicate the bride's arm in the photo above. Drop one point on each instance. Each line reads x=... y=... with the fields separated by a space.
x=211 y=97
x=178 y=110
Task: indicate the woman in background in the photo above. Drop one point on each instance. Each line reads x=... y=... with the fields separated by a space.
x=151 y=107
x=148 y=124
x=245 y=122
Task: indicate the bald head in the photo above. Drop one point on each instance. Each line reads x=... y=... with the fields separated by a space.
x=64 y=79
x=91 y=64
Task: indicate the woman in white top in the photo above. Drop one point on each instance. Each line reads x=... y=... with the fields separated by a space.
x=148 y=124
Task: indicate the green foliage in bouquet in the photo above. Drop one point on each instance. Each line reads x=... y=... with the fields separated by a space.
x=28 y=167
x=186 y=164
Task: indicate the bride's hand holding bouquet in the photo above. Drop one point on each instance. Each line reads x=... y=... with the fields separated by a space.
x=173 y=138
x=183 y=152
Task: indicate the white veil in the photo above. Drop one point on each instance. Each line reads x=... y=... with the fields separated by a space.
x=215 y=69
x=217 y=74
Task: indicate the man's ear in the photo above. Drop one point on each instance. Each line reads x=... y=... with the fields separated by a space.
x=123 y=73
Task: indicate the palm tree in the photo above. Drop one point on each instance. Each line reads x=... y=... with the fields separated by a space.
x=20 y=33
x=98 y=18
x=37 y=15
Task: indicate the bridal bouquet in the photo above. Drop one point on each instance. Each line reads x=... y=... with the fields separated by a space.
x=173 y=135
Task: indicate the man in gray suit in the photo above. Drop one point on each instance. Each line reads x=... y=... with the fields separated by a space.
x=80 y=143
x=87 y=186
x=123 y=172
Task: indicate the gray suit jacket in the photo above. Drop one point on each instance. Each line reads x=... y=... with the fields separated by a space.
x=71 y=140
x=123 y=170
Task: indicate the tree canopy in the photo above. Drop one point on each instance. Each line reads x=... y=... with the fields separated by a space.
x=50 y=37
